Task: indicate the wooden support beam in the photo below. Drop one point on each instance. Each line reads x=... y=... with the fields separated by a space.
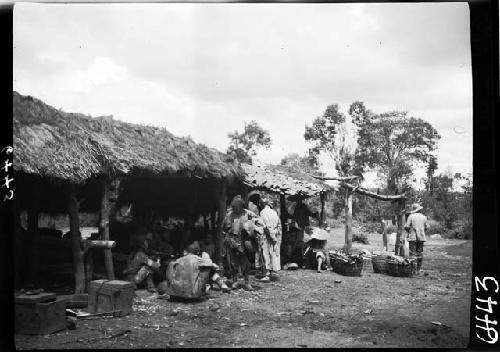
x=401 y=221
x=213 y=220
x=33 y=237
x=74 y=224
x=348 y=220
x=104 y=225
x=385 y=229
x=347 y=178
x=368 y=193
x=221 y=215
x=106 y=245
x=89 y=269
x=322 y=197
x=283 y=213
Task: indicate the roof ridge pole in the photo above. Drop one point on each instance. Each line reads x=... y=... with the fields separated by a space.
x=74 y=225
x=104 y=224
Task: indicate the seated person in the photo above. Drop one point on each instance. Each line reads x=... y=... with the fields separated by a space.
x=314 y=255
x=140 y=267
x=188 y=276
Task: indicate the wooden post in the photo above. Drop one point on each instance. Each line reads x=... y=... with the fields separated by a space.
x=33 y=236
x=322 y=197
x=221 y=215
x=283 y=213
x=74 y=225
x=213 y=219
x=348 y=220
x=104 y=226
x=206 y=225
x=244 y=195
x=401 y=221
x=384 y=233
x=89 y=268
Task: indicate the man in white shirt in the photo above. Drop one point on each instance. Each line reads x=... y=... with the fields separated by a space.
x=416 y=225
x=271 y=242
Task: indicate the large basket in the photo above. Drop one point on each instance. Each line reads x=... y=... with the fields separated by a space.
x=346 y=269
x=405 y=270
x=379 y=263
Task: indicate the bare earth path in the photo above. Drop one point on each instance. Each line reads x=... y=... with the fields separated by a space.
x=304 y=309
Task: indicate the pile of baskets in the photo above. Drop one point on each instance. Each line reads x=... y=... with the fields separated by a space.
x=394 y=265
x=344 y=264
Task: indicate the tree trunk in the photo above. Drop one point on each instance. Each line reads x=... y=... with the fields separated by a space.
x=221 y=214
x=322 y=197
x=33 y=236
x=401 y=220
x=74 y=225
x=283 y=213
x=348 y=220
x=104 y=226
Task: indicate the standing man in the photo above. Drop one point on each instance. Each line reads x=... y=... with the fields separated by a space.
x=416 y=225
x=271 y=241
x=301 y=216
x=240 y=227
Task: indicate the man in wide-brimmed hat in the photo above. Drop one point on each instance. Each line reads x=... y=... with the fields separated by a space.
x=416 y=225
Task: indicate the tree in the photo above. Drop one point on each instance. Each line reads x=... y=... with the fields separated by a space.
x=393 y=143
x=243 y=146
x=431 y=169
x=308 y=163
x=334 y=134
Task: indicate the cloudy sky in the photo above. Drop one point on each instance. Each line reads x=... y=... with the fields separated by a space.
x=204 y=69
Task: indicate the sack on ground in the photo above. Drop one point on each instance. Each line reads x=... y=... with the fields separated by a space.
x=187 y=276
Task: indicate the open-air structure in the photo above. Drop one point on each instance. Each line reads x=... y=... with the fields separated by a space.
x=67 y=163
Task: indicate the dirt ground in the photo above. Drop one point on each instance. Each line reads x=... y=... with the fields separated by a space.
x=303 y=309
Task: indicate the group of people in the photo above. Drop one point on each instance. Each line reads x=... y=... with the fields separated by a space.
x=251 y=232
x=252 y=237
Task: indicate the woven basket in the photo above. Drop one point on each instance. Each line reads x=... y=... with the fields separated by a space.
x=379 y=264
x=346 y=269
x=405 y=270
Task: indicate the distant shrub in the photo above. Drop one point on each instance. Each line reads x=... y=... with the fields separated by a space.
x=372 y=227
x=361 y=238
x=435 y=227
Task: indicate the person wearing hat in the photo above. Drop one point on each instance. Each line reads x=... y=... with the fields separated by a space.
x=315 y=256
x=416 y=225
x=270 y=243
x=240 y=228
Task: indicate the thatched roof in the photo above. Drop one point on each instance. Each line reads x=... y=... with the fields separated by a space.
x=280 y=179
x=75 y=147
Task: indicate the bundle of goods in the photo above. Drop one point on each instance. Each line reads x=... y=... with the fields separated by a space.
x=346 y=264
x=400 y=266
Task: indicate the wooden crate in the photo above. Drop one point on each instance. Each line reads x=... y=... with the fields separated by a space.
x=111 y=295
x=40 y=318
